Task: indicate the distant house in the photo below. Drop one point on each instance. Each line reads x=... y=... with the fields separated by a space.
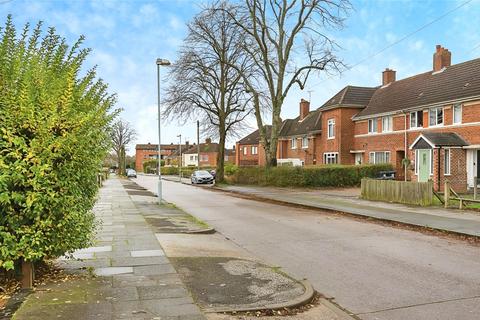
x=149 y=151
x=431 y=119
x=207 y=157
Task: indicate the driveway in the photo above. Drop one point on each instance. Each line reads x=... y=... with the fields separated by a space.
x=374 y=271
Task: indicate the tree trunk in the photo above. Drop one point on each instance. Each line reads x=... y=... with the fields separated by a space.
x=28 y=274
x=271 y=151
x=121 y=161
x=219 y=177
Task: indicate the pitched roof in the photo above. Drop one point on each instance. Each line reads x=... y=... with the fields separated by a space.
x=204 y=147
x=254 y=137
x=459 y=81
x=294 y=127
x=151 y=146
x=351 y=96
x=443 y=139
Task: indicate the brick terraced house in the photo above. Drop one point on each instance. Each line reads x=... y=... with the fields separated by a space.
x=432 y=119
x=149 y=151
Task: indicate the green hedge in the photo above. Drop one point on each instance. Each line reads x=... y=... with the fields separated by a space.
x=186 y=171
x=315 y=176
x=55 y=121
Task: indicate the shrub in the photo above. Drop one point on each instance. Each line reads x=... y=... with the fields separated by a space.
x=53 y=139
x=313 y=176
x=230 y=169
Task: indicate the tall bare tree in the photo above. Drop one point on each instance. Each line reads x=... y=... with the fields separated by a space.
x=204 y=83
x=287 y=40
x=121 y=134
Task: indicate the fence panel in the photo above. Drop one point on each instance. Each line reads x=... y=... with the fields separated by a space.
x=407 y=192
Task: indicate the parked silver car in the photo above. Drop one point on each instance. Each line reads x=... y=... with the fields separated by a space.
x=201 y=176
x=131 y=173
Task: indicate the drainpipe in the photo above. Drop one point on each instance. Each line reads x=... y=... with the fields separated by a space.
x=438 y=167
x=406 y=144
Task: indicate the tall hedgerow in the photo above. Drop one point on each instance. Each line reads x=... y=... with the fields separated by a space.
x=53 y=137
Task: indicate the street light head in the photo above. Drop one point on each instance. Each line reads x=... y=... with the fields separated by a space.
x=163 y=62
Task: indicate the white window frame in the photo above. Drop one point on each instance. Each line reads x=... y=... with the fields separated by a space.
x=304 y=142
x=203 y=157
x=447 y=162
x=330 y=155
x=389 y=126
x=457 y=106
x=372 y=157
x=435 y=110
x=254 y=150
x=372 y=129
x=417 y=115
x=331 y=125
x=245 y=151
x=293 y=143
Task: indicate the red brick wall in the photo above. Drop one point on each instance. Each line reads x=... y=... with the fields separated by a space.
x=249 y=159
x=344 y=135
x=212 y=159
x=458 y=169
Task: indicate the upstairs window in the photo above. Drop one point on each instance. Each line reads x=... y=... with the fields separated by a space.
x=305 y=142
x=245 y=151
x=254 y=150
x=457 y=113
x=331 y=129
x=416 y=119
x=387 y=124
x=293 y=142
x=436 y=116
x=372 y=125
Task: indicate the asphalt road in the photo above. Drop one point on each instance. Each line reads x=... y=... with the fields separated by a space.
x=374 y=271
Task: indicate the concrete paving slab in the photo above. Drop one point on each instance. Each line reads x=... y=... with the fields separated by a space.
x=110 y=271
x=147 y=253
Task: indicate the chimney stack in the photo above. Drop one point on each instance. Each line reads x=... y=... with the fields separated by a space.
x=208 y=140
x=304 y=108
x=442 y=58
x=388 y=76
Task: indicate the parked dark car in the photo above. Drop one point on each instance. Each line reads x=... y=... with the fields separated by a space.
x=201 y=176
x=386 y=175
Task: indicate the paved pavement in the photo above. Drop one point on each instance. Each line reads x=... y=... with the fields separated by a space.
x=347 y=200
x=135 y=278
x=374 y=271
x=463 y=222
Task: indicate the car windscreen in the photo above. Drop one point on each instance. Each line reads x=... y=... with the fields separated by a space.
x=202 y=173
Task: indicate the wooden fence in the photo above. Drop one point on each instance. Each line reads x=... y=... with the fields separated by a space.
x=407 y=192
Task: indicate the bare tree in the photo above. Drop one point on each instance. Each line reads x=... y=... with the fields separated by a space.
x=204 y=83
x=287 y=40
x=121 y=134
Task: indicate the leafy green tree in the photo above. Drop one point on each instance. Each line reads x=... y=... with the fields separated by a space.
x=54 y=135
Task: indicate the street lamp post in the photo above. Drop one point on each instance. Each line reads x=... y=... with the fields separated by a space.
x=160 y=62
x=180 y=160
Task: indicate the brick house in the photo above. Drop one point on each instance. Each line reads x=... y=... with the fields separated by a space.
x=149 y=151
x=249 y=151
x=207 y=157
x=432 y=119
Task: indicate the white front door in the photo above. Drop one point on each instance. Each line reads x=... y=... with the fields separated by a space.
x=473 y=167
x=358 y=158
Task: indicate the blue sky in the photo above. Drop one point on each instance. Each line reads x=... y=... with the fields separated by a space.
x=127 y=37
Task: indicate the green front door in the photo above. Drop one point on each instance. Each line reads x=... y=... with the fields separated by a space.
x=424 y=163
